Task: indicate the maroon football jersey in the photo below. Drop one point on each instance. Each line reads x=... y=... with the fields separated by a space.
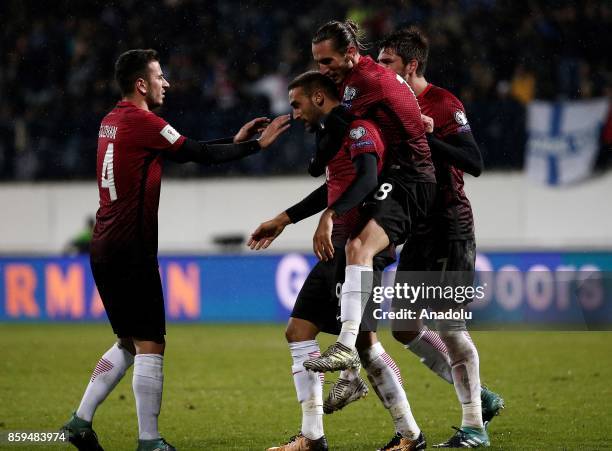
x=363 y=137
x=452 y=211
x=131 y=142
x=373 y=92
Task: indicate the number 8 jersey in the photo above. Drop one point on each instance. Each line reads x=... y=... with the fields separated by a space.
x=131 y=144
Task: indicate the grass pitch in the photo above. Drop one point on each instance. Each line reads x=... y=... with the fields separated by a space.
x=230 y=387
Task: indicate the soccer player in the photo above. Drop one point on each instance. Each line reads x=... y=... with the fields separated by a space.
x=351 y=173
x=449 y=244
x=407 y=185
x=133 y=142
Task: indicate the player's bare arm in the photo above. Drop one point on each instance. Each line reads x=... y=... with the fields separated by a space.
x=321 y=241
x=267 y=232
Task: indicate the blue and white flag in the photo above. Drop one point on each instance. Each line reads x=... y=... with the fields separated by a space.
x=563 y=139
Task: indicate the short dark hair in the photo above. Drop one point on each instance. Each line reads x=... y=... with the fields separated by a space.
x=313 y=80
x=131 y=66
x=408 y=44
x=342 y=35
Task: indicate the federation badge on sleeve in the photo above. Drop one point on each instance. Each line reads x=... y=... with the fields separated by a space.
x=460 y=117
x=349 y=94
x=170 y=134
x=357 y=133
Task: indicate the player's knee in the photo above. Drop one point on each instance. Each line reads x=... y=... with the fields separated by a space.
x=460 y=347
x=404 y=336
x=150 y=345
x=300 y=330
x=294 y=333
x=357 y=253
x=290 y=334
x=127 y=344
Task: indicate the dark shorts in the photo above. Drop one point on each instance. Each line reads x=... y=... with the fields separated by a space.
x=433 y=260
x=319 y=299
x=133 y=298
x=436 y=252
x=398 y=204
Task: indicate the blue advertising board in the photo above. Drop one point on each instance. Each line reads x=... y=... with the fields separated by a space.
x=522 y=287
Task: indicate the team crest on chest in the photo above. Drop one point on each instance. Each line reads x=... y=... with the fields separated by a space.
x=357 y=133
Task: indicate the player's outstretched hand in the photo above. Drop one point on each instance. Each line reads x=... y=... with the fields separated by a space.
x=276 y=128
x=267 y=231
x=251 y=128
x=428 y=122
x=321 y=241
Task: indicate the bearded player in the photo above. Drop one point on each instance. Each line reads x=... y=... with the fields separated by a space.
x=406 y=186
x=351 y=173
x=133 y=143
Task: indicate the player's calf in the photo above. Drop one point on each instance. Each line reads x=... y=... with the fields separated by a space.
x=466 y=375
x=386 y=380
x=147 y=384
x=429 y=348
x=432 y=352
x=308 y=387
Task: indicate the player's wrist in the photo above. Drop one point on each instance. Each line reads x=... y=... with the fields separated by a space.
x=331 y=213
x=283 y=219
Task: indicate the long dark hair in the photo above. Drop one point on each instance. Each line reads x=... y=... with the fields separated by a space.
x=342 y=34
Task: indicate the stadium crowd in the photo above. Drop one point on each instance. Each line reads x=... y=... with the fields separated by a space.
x=231 y=60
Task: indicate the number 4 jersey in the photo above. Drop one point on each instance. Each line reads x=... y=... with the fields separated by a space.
x=131 y=144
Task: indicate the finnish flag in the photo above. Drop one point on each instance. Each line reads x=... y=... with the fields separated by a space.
x=563 y=139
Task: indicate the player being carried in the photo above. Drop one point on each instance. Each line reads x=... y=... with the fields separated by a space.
x=133 y=142
x=406 y=185
x=351 y=173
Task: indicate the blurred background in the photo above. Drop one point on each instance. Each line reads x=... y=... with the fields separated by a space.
x=230 y=60
x=535 y=78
